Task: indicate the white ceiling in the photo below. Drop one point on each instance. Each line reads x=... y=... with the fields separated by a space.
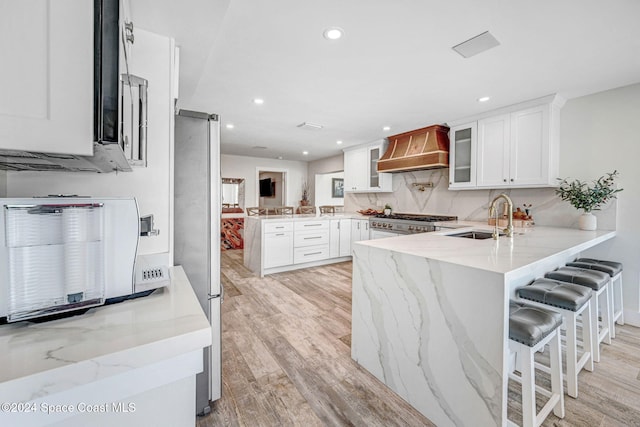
x=394 y=66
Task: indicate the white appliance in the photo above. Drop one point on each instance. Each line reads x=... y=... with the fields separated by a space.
x=197 y=212
x=61 y=254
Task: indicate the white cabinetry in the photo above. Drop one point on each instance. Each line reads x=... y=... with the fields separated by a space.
x=515 y=147
x=462 y=155
x=340 y=237
x=361 y=169
x=278 y=244
x=311 y=241
x=46 y=79
x=359 y=230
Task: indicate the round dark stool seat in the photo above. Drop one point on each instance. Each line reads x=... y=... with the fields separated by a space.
x=594 y=279
x=610 y=267
x=529 y=325
x=556 y=294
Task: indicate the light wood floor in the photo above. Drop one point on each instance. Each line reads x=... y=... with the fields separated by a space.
x=286 y=360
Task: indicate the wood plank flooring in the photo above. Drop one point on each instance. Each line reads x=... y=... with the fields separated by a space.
x=286 y=361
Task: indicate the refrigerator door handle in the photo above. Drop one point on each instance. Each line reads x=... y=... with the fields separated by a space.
x=220 y=295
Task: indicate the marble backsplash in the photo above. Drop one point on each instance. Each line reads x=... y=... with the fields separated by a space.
x=472 y=205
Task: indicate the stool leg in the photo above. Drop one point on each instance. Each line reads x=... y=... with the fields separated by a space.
x=528 y=388
x=572 y=356
x=594 y=324
x=620 y=299
x=606 y=313
x=612 y=309
x=556 y=373
x=589 y=336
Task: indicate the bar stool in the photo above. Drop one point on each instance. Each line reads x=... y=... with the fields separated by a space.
x=599 y=284
x=613 y=269
x=530 y=329
x=570 y=301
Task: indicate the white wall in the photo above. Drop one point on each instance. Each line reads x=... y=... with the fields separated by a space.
x=152 y=186
x=323 y=189
x=601 y=133
x=245 y=167
x=322 y=166
x=3 y=184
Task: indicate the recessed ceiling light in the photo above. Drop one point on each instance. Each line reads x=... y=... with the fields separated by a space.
x=230 y=126
x=333 y=33
x=259 y=147
x=386 y=128
x=258 y=101
x=338 y=142
x=305 y=152
x=483 y=99
x=279 y=157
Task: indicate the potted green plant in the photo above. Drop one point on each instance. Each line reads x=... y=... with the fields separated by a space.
x=387 y=209
x=587 y=197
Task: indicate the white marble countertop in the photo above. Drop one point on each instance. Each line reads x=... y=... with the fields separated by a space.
x=39 y=359
x=305 y=217
x=528 y=245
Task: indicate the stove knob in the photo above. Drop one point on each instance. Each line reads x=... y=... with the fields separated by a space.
x=386 y=225
x=390 y=226
x=411 y=228
x=374 y=224
x=421 y=229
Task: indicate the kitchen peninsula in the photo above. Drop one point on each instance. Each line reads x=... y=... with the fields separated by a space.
x=275 y=243
x=430 y=314
x=128 y=364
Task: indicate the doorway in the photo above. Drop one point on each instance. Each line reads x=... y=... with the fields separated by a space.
x=271 y=187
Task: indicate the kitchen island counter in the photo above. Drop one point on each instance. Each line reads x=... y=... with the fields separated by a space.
x=131 y=363
x=430 y=313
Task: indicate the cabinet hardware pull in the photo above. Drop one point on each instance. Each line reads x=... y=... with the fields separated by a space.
x=280 y=234
x=312 y=225
x=511 y=179
x=505 y=180
x=314 y=237
x=313 y=253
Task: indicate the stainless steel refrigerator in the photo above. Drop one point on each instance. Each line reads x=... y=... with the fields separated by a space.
x=197 y=212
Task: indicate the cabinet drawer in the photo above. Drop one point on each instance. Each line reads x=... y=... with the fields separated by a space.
x=311 y=225
x=310 y=238
x=310 y=253
x=273 y=227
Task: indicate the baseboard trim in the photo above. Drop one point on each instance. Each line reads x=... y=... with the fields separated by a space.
x=631 y=318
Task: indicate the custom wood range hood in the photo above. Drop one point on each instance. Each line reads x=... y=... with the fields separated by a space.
x=426 y=148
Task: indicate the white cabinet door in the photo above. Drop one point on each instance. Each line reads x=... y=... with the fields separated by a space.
x=493 y=151
x=359 y=230
x=377 y=234
x=529 y=159
x=361 y=169
x=462 y=156
x=334 y=238
x=277 y=249
x=355 y=169
x=345 y=237
x=46 y=78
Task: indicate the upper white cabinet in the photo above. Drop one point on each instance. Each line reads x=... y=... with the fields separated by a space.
x=361 y=169
x=515 y=147
x=462 y=155
x=46 y=79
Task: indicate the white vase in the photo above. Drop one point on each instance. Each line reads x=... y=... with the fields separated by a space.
x=387 y=211
x=588 y=221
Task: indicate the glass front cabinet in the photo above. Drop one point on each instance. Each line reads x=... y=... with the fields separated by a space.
x=462 y=156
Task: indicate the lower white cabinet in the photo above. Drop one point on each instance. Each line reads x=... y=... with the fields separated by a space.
x=278 y=249
x=310 y=253
x=340 y=237
x=274 y=246
x=359 y=230
x=379 y=234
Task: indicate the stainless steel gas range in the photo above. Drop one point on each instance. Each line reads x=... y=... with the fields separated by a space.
x=401 y=224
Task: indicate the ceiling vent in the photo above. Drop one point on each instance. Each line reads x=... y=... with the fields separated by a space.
x=259 y=147
x=310 y=126
x=476 y=45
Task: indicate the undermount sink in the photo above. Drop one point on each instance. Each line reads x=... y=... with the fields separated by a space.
x=477 y=235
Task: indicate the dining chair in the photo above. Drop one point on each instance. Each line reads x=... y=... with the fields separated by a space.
x=284 y=210
x=327 y=209
x=256 y=211
x=307 y=209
